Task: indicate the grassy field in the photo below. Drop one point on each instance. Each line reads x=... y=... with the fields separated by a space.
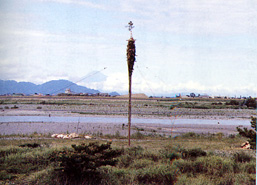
x=187 y=159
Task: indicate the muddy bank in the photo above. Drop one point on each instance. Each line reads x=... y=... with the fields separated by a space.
x=121 y=110
x=112 y=128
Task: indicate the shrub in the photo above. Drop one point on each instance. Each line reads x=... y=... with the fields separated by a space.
x=34 y=145
x=141 y=163
x=251 y=134
x=114 y=176
x=192 y=153
x=159 y=174
x=14 y=107
x=250 y=167
x=242 y=157
x=190 y=135
x=251 y=102
x=232 y=102
x=81 y=164
x=125 y=161
x=135 y=151
x=173 y=156
x=137 y=135
x=213 y=166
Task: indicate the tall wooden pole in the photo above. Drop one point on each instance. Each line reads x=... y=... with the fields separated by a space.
x=129 y=108
x=131 y=53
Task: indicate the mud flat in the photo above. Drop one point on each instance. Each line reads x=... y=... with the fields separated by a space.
x=118 y=109
x=115 y=125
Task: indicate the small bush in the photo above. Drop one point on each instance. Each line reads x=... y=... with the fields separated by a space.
x=190 y=135
x=134 y=151
x=159 y=174
x=137 y=135
x=142 y=163
x=251 y=134
x=192 y=153
x=125 y=161
x=242 y=157
x=174 y=156
x=232 y=102
x=34 y=145
x=213 y=166
x=14 y=107
x=250 y=167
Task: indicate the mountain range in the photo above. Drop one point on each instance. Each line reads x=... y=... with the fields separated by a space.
x=51 y=87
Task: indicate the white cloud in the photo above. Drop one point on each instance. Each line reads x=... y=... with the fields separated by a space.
x=195 y=17
x=119 y=82
x=78 y=2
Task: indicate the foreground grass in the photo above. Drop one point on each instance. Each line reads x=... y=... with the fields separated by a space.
x=187 y=159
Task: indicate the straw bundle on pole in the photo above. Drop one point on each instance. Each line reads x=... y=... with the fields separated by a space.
x=131 y=56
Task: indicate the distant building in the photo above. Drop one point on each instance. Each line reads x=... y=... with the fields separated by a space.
x=205 y=96
x=68 y=91
x=18 y=94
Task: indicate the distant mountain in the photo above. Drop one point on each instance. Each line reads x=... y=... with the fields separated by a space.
x=51 y=87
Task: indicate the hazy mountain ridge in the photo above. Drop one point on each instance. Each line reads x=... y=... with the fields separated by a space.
x=50 y=87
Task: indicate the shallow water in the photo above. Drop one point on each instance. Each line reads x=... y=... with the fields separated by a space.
x=108 y=125
x=121 y=120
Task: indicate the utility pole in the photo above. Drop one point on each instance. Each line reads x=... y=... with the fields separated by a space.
x=131 y=54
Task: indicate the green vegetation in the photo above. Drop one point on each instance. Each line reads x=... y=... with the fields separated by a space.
x=251 y=134
x=187 y=159
x=251 y=103
x=80 y=164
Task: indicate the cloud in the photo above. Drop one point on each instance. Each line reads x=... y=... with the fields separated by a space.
x=195 y=17
x=119 y=82
x=78 y=2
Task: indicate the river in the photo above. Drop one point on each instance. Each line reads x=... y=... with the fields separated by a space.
x=43 y=124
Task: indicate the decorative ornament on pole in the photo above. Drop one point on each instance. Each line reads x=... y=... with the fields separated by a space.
x=131 y=57
x=130 y=27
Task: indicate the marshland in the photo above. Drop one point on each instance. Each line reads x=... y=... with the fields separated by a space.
x=173 y=141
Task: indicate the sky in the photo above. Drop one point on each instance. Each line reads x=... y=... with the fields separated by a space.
x=182 y=46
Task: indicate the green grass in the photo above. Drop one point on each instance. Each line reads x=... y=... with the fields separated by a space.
x=199 y=159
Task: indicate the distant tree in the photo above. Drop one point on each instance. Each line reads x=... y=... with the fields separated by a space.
x=251 y=134
x=192 y=95
x=251 y=102
x=232 y=102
